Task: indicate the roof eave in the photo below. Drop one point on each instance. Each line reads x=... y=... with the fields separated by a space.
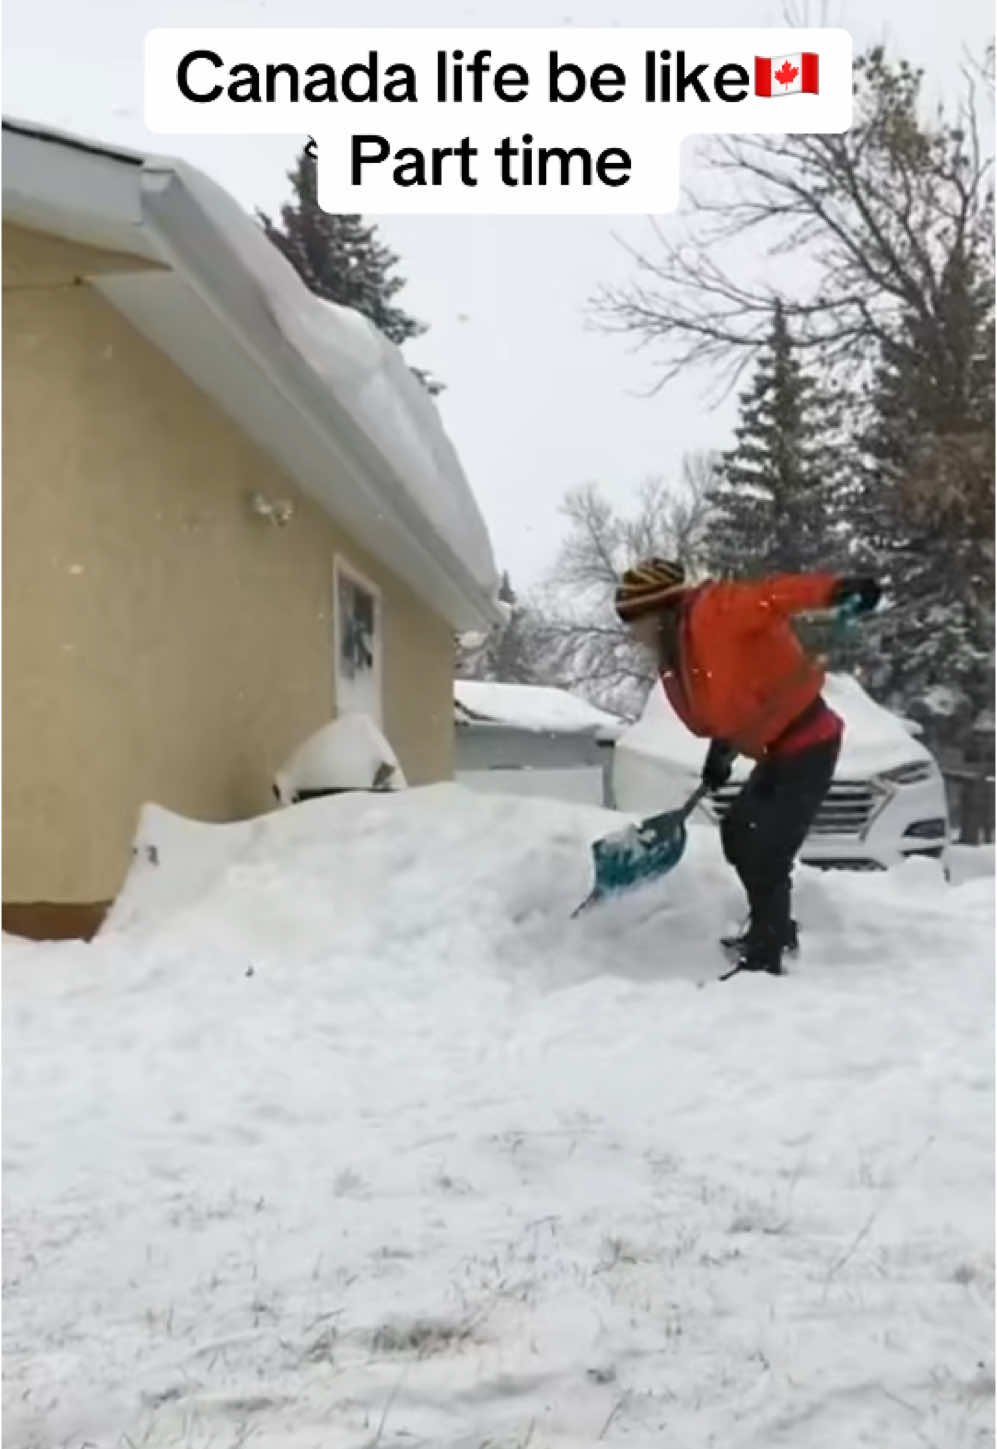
x=120 y=200
x=192 y=244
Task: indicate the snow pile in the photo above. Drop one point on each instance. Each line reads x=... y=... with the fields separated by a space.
x=368 y=376
x=971 y=862
x=341 y=1134
x=531 y=707
x=350 y=753
x=875 y=739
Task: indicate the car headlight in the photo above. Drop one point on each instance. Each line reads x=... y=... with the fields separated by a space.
x=913 y=774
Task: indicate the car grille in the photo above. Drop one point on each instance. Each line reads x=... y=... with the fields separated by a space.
x=847 y=809
x=844 y=862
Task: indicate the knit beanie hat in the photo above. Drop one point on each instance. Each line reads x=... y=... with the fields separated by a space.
x=647 y=586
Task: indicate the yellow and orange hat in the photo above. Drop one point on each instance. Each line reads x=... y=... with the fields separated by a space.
x=647 y=586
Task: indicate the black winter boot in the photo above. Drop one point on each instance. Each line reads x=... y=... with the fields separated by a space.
x=753 y=963
x=740 y=945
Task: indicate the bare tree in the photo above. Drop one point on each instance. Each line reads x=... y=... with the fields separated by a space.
x=882 y=212
x=667 y=520
x=586 y=647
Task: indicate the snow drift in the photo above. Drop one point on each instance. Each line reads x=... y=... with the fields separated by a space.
x=341 y=1134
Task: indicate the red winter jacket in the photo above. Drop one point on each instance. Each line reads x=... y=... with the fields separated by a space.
x=742 y=674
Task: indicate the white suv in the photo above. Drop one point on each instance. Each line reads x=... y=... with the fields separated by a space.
x=886 y=802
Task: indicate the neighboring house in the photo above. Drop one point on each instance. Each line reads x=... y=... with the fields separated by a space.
x=230 y=513
x=525 y=739
x=886 y=802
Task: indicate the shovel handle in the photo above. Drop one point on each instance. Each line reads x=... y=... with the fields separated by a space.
x=676 y=815
x=699 y=794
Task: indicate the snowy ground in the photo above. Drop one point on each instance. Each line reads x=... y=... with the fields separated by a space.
x=346 y=1137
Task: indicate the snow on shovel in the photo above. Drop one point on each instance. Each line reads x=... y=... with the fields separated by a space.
x=640 y=853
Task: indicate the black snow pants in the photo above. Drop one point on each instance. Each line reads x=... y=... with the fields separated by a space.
x=762 y=832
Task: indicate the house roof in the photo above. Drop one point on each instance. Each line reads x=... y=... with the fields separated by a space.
x=536 y=708
x=314 y=384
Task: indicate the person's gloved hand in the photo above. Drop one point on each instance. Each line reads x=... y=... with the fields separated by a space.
x=718 y=764
x=863 y=592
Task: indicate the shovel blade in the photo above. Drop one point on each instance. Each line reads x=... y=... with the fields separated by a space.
x=642 y=853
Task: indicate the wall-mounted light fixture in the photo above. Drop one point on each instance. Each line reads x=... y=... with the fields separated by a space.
x=278 y=510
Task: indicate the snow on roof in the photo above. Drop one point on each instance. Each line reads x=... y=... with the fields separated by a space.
x=330 y=397
x=874 y=738
x=362 y=368
x=538 y=708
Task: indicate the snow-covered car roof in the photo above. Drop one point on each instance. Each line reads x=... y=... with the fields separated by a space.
x=537 y=708
x=314 y=384
x=875 y=739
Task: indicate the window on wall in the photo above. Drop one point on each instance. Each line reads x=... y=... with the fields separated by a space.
x=358 y=643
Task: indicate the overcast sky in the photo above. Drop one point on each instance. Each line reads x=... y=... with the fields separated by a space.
x=536 y=401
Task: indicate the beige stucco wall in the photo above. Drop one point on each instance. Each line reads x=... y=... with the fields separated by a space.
x=160 y=642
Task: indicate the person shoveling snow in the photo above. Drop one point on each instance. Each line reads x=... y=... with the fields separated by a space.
x=735 y=673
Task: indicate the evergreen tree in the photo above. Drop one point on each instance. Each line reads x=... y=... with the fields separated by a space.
x=340 y=257
x=508 y=654
x=927 y=508
x=777 y=501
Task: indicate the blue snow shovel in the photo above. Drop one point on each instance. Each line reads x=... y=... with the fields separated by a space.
x=640 y=853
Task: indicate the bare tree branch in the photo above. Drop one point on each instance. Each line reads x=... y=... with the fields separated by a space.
x=880 y=212
x=585 y=645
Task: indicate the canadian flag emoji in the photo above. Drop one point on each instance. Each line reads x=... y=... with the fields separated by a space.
x=782 y=75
